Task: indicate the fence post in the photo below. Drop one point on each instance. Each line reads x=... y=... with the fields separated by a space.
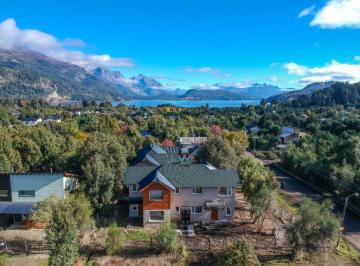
x=26 y=248
x=40 y=247
x=151 y=242
x=209 y=243
x=6 y=247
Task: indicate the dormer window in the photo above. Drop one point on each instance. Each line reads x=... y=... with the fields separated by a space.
x=197 y=190
x=134 y=188
x=224 y=191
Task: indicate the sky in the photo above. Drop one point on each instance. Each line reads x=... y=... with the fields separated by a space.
x=195 y=43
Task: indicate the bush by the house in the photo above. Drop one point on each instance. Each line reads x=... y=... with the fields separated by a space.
x=241 y=254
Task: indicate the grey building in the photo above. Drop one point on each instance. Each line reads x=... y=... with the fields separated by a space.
x=162 y=186
x=20 y=191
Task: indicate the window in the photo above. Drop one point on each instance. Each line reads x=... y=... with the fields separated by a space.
x=134 y=188
x=134 y=207
x=26 y=193
x=177 y=209
x=177 y=190
x=156 y=216
x=4 y=193
x=196 y=209
x=228 y=211
x=224 y=191
x=197 y=190
x=156 y=195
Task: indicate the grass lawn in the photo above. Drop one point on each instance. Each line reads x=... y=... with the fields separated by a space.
x=286 y=203
x=347 y=251
x=137 y=235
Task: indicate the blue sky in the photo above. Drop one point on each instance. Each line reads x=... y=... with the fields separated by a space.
x=186 y=43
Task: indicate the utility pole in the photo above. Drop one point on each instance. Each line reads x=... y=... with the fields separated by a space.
x=255 y=138
x=343 y=215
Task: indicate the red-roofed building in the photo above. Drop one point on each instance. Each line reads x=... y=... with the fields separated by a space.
x=168 y=143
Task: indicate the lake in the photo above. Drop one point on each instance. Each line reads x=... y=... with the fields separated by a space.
x=188 y=103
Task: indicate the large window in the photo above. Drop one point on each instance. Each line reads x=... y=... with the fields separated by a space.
x=156 y=216
x=156 y=195
x=4 y=193
x=224 y=191
x=197 y=190
x=197 y=209
x=26 y=193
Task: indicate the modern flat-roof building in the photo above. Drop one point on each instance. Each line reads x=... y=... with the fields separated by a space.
x=20 y=191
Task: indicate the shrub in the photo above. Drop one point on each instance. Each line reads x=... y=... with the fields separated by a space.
x=113 y=240
x=166 y=239
x=315 y=225
x=240 y=254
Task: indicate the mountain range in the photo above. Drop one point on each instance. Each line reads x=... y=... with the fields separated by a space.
x=306 y=91
x=28 y=74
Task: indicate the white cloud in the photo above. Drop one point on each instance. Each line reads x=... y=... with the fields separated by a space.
x=219 y=86
x=338 y=14
x=274 y=79
x=332 y=71
x=11 y=36
x=296 y=69
x=208 y=70
x=307 y=11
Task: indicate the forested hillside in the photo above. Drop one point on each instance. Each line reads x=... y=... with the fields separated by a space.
x=337 y=93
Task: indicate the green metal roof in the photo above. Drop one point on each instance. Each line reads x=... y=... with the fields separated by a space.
x=185 y=175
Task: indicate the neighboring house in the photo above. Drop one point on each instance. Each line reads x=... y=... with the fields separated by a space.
x=168 y=143
x=56 y=119
x=145 y=133
x=31 y=121
x=290 y=134
x=192 y=140
x=20 y=191
x=253 y=129
x=163 y=186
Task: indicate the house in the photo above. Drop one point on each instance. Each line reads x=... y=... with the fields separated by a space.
x=163 y=186
x=192 y=140
x=289 y=134
x=145 y=133
x=31 y=121
x=254 y=129
x=20 y=191
x=168 y=143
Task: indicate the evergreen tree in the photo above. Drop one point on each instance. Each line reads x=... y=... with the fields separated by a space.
x=62 y=237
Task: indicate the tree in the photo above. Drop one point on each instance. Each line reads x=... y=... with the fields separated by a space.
x=99 y=182
x=238 y=139
x=240 y=254
x=43 y=210
x=166 y=239
x=110 y=152
x=113 y=240
x=218 y=152
x=315 y=225
x=62 y=237
x=259 y=186
x=80 y=208
x=82 y=213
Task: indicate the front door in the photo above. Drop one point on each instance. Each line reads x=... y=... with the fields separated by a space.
x=185 y=215
x=214 y=214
